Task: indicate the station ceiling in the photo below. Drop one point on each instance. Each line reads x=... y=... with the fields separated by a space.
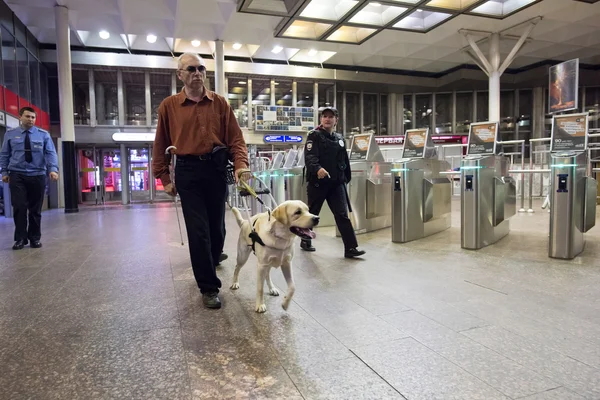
x=405 y=35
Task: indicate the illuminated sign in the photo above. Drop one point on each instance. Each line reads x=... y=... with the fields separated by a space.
x=133 y=137
x=282 y=139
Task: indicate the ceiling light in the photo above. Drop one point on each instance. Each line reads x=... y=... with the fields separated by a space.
x=277 y=49
x=151 y=38
x=104 y=34
x=241 y=82
x=277 y=83
x=195 y=43
x=237 y=46
x=312 y=52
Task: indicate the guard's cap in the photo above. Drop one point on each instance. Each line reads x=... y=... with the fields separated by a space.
x=328 y=108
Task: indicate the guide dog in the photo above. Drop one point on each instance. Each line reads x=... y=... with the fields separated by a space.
x=272 y=236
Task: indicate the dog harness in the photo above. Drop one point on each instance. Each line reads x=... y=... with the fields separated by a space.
x=255 y=237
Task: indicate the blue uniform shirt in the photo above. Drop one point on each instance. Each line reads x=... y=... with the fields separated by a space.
x=12 y=156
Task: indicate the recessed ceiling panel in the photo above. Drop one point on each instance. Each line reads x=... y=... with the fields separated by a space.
x=312 y=56
x=422 y=20
x=351 y=34
x=271 y=7
x=452 y=4
x=306 y=30
x=500 y=8
x=377 y=14
x=329 y=10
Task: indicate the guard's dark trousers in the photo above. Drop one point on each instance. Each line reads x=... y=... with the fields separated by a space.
x=27 y=196
x=335 y=195
x=203 y=192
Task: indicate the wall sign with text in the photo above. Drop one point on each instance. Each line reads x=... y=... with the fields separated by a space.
x=482 y=138
x=569 y=132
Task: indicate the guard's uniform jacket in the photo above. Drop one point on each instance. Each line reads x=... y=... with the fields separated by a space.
x=325 y=150
x=328 y=150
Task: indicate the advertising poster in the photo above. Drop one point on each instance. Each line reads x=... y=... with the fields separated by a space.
x=416 y=139
x=569 y=132
x=360 y=147
x=482 y=138
x=563 y=87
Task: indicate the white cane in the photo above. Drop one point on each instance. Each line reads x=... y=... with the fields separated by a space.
x=172 y=175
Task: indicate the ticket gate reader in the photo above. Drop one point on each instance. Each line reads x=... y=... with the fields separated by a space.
x=421 y=199
x=488 y=200
x=572 y=204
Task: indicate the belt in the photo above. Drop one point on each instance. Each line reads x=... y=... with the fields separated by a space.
x=189 y=157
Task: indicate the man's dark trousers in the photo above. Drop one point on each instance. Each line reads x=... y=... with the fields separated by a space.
x=27 y=196
x=335 y=195
x=203 y=193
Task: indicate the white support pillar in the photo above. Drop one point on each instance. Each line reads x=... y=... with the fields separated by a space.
x=67 y=122
x=273 y=101
x=219 y=68
x=173 y=83
x=250 y=106
x=92 y=92
x=121 y=98
x=148 y=98
x=294 y=93
x=316 y=100
x=493 y=67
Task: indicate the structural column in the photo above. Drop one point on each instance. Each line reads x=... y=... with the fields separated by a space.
x=220 y=68
x=273 y=101
x=124 y=175
x=294 y=93
x=250 y=106
x=65 y=94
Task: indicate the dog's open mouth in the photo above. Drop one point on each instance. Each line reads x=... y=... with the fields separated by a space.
x=304 y=233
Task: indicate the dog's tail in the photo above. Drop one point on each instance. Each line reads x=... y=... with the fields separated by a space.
x=238 y=216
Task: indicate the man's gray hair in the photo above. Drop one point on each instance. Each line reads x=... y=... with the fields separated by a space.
x=188 y=55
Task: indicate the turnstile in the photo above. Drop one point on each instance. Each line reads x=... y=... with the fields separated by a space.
x=421 y=199
x=488 y=200
x=572 y=204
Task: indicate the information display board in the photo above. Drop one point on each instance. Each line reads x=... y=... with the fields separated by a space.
x=482 y=138
x=569 y=132
x=563 y=86
x=283 y=118
x=416 y=141
x=360 y=147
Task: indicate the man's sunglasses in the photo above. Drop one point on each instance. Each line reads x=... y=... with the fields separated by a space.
x=192 y=69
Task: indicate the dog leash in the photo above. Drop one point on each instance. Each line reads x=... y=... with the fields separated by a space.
x=247 y=190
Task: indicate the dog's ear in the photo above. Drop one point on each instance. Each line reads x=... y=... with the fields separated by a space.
x=280 y=214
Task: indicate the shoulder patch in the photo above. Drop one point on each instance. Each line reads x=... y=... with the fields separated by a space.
x=309 y=145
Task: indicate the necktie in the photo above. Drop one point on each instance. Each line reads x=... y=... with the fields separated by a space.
x=28 y=156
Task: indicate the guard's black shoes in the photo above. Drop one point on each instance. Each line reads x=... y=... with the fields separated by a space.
x=211 y=300
x=36 y=244
x=351 y=253
x=19 y=244
x=223 y=257
x=306 y=245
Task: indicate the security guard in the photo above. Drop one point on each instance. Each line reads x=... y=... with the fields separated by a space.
x=328 y=172
x=27 y=155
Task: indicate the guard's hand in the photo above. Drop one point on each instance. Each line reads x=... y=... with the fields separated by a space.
x=170 y=190
x=243 y=175
x=322 y=173
x=6 y=179
x=53 y=176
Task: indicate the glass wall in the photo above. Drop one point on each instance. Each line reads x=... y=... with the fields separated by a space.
x=9 y=67
x=23 y=73
x=370 y=113
x=238 y=99
x=81 y=96
x=424 y=111
x=507 y=112
x=325 y=94
x=464 y=111
x=383 y=115
x=443 y=113
x=592 y=105
x=340 y=107
x=134 y=98
x=525 y=112
x=352 y=113
x=160 y=89
x=283 y=93
x=261 y=92
x=107 y=103
x=408 y=112
x=306 y=94
x=34 y=80
x=482 y=107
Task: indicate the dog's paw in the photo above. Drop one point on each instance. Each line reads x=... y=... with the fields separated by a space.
x=286 y=303
x=234 y=286
x=274 y=292
x=261 y=308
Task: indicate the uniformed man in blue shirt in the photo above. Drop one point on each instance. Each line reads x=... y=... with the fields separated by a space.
x=27 y=154
x=328 y=172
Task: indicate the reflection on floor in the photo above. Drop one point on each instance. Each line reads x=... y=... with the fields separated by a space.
x=108 y=309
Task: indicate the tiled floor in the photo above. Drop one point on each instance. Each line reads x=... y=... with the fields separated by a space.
x=108 y=309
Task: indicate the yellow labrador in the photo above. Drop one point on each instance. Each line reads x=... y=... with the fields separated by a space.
x=278 y=232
